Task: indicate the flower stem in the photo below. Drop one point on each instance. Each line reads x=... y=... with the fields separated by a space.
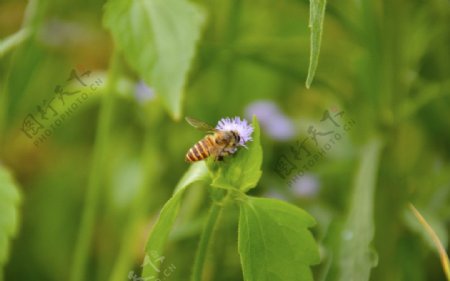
x=205 y=241
x=101 y=148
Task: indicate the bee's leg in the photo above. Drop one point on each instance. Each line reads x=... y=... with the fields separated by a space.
x=223 y=154
x=219 y=156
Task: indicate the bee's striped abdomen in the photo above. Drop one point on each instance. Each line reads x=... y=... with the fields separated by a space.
x=200 y=150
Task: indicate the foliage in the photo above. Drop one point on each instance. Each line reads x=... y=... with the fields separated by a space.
x=9 y=221
x=168 y=32
x=440 y=248
x=357 y=256
x=316 y=18
x=274 y=242
x=244 y=171
x=346 y=155
x=168 y=214
x=262 y=222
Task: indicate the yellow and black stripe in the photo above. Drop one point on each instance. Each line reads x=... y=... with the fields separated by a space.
x=200 y=150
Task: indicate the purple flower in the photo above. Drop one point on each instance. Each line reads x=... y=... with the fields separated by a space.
x=305 y=186
x=143 y=92
x=242 y=127
x=273 y=121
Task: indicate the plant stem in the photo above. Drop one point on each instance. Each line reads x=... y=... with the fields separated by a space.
x=150 y=158
x=355 y=260
x=3 y=113
x=101 y=148
x=6 y=45
x=205 y=241
x=12 y=41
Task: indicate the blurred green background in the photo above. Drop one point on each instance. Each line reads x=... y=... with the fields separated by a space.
x=384 y=65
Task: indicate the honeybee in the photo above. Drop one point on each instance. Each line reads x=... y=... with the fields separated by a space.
x=217 y=144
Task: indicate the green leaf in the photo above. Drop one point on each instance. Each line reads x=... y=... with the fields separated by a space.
x=9 y=217
x=316 y=17
x=274 y=241
x=356 y=255
x=158 y=39
x=169 y=212
x=243 y=170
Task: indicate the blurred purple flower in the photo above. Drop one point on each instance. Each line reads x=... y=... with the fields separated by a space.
x=305 y=186
x=143 y=93
x=264 y=110
x=275 y=194
x=273 y=121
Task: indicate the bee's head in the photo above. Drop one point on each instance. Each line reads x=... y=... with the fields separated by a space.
x=241 y=130
x=236 y=136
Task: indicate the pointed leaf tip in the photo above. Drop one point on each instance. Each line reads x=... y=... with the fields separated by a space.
x=316 y=18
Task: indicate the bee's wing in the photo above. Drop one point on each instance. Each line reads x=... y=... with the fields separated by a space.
x=200 y=124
